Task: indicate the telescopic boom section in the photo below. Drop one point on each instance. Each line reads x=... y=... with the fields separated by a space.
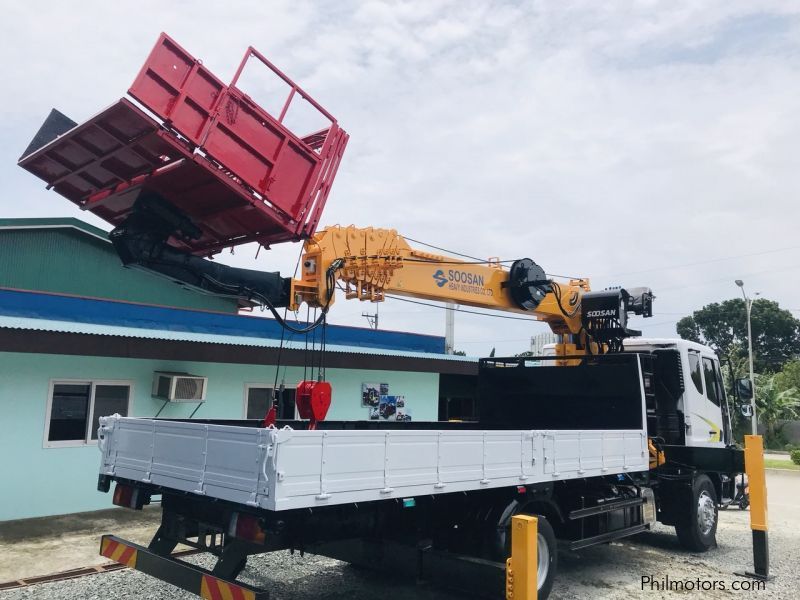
x=377 y=262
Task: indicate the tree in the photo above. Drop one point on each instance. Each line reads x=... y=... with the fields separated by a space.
x=773 y=406
x=789 y=376
x=723 y=326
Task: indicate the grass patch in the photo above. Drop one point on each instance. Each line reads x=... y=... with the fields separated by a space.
x=777 y=463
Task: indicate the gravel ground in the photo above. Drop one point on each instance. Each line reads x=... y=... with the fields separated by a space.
x=612 y=571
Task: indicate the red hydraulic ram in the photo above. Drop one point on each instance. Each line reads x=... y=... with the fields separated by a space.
x=235 y=170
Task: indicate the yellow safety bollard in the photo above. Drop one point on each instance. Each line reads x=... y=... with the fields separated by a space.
x=522 y=567
x=757 y=482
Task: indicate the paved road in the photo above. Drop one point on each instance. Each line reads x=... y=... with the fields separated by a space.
x=775 y=456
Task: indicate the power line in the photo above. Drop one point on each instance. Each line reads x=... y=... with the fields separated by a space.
x=660 y=323
x=463 y=310
x=442 y=249
x=486 y=314
x=462 y=342
x=702 y=262
x=729 y=278
x=479 y=261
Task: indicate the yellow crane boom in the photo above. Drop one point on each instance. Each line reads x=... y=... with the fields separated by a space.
x=370 y=263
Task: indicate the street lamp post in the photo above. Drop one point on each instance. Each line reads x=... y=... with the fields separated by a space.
x=748 y=303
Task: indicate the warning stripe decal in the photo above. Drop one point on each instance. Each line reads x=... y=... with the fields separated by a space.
x=106 y=543
x=119 y=552
x=128 y=557
x=212 y=588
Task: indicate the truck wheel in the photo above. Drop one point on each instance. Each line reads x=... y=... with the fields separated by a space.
x=547 y=555
x=697 y=529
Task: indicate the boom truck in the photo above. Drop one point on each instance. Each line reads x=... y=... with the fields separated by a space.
x=600 y=439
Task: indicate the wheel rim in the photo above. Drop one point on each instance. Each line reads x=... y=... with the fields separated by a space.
x=543 y=556
x=706 y=513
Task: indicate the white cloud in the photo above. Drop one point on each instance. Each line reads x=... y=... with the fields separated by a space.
x=596 y=138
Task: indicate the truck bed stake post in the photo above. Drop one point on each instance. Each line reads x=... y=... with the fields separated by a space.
x=522 y=567
x=757 y=482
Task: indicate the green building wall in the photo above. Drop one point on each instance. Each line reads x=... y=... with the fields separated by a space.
x=70 y=260
x=39 y=481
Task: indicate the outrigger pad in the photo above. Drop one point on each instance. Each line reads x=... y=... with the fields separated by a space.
x=235 y=170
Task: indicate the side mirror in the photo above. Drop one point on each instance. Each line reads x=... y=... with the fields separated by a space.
x=744 y=389
x=746 y=410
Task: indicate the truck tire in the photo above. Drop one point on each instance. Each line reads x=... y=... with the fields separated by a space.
x=547 y=554
x=697 y=527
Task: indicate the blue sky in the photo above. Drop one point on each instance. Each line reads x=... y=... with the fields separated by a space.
x=635 y=143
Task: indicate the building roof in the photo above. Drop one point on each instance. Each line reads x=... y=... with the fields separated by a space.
x=55 y=223
x=14 y=339
x=105 y=317
x=39 y=316
x=68 y=256
x=54 y=326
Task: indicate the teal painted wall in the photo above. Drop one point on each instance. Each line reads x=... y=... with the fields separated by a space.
x=67 y=261
x=40 y=481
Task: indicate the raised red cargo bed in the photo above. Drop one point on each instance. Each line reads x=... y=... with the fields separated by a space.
x=237 y=171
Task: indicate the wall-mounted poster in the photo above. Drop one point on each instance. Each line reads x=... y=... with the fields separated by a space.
x=387 y=409
x=371 y=393
x=383 y=406
x=403 y=414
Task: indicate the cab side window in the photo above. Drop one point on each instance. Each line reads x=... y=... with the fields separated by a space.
x=712 y=386
x=696 y=371
x=720 y=383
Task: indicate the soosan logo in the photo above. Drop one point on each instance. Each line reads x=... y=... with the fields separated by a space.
x=440 y=278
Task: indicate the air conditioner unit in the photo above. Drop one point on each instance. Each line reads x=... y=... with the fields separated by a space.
x=179 y=387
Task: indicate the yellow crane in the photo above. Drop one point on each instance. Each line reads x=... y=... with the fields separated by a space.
x=369 y=263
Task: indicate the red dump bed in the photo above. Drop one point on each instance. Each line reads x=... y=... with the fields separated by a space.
x=208 y=148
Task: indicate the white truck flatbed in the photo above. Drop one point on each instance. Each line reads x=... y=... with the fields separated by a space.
x=282 y=469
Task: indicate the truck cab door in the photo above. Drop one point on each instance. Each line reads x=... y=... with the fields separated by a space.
x=706 y=423
x=727 y=428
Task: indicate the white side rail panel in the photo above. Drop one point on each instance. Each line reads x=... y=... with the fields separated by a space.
x=282 y=469
x=217 y=461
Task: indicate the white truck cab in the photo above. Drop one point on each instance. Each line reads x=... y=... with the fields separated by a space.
x=704 y=405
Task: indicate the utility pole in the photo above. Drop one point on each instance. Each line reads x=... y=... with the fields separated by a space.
x=748 y=303
x=450 y=328
x=372 y=319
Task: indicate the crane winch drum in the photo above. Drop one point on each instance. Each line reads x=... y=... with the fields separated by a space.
x=527 y=283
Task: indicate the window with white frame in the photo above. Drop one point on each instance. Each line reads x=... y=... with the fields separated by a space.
x=258 y=401
x=74 y=409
